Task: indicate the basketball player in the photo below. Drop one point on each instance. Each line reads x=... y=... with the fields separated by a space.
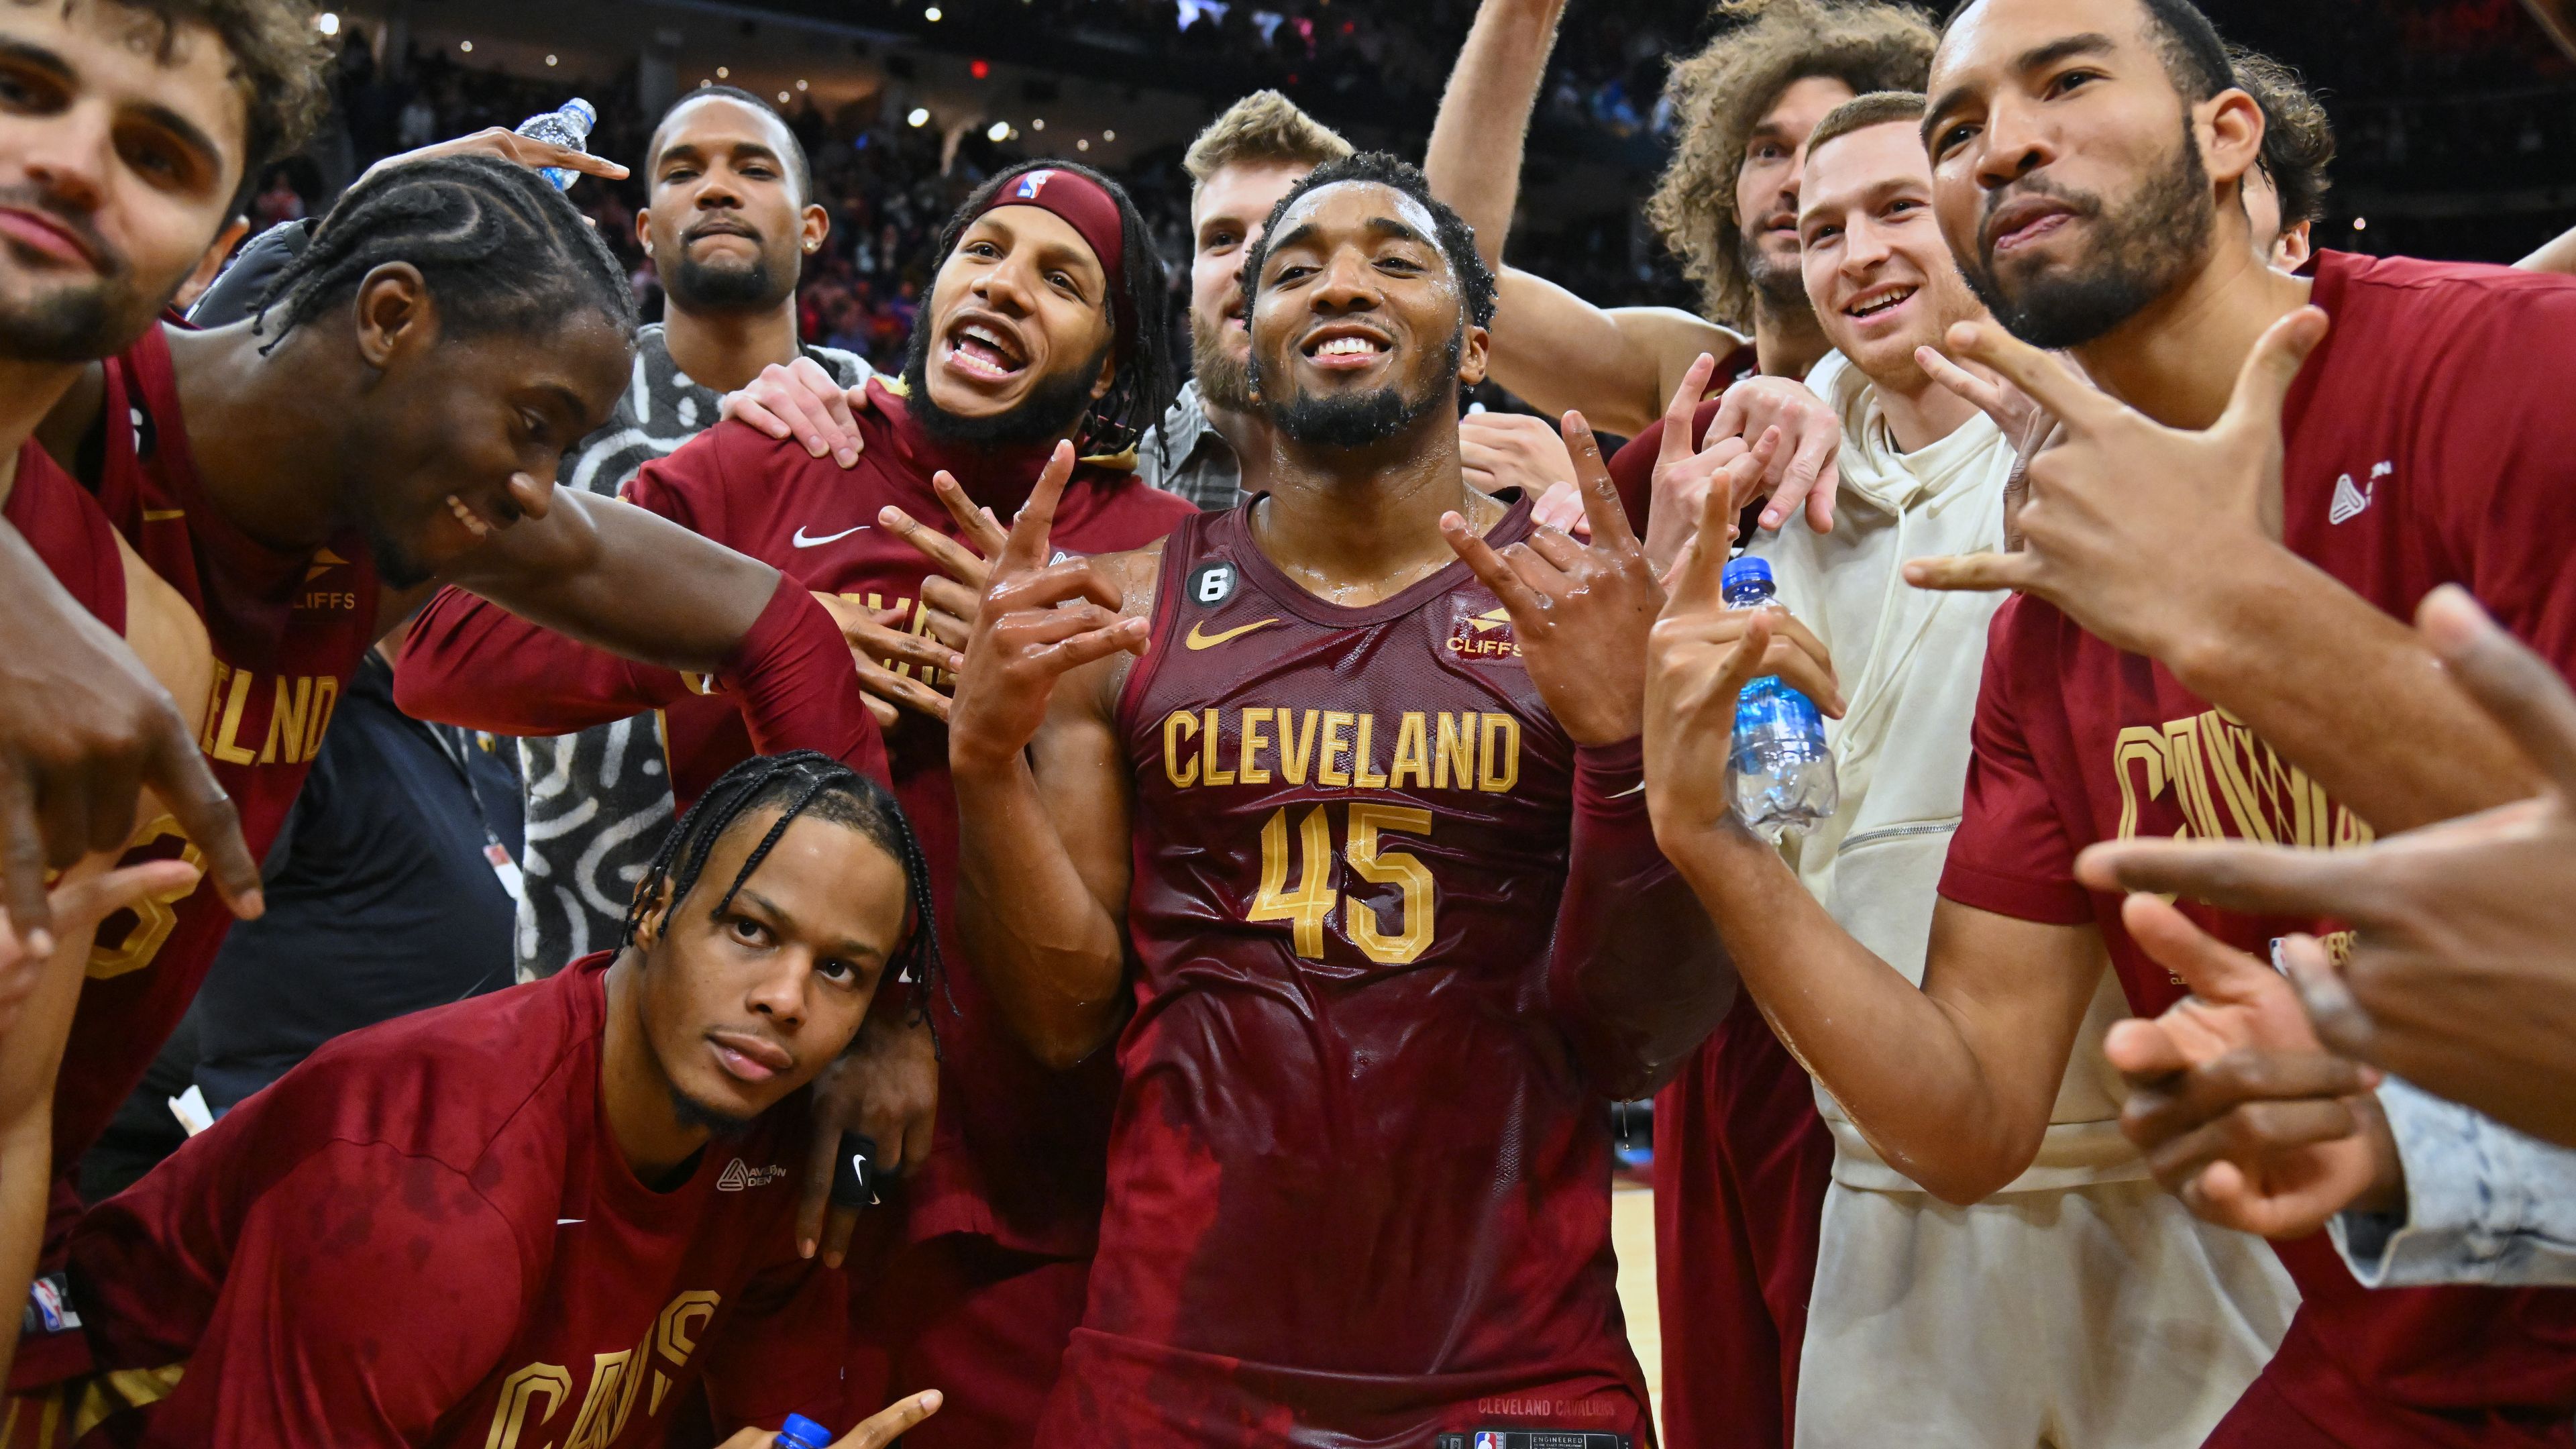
x=2169 y=666
x=539 y=1216
x=304 y=480
x=1044 y=324
x=1359 y=1177
x=135 y=128
x=2083 y=1247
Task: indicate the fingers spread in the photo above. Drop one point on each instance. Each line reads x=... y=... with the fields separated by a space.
x=178 y=774
x=2263 y=382
x=1601 y=506
x=2075 y=402
x=1491 y=570
x=1973 y=572
x=2214 y=970
x=2264 y=880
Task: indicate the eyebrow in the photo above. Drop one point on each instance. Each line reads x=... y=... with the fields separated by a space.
x=188 y=132
x=850 y=946
x=2038 y=57
x=1873 y=195
x=738 y=149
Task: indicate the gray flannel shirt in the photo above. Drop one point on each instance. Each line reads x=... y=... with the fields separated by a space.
x=1185 y=454
x=2484 y=1203
x=598 y=801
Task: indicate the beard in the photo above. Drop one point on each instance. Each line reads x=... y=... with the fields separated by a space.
x=752 y=286
x=1778 y=286
x=2140 y=253
x=1359 y=420
x=1053 y=406
x=1225 y=379
x=80 y=323
x=699 y=1116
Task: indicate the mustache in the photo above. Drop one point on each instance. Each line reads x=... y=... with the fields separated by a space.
x=2083 y=204
x=25 y=197
x=721 y=226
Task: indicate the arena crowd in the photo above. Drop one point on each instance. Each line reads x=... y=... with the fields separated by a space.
x=764 y=797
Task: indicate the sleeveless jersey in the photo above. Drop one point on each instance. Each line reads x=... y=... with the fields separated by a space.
x=1358 y=1189
x=66 y=530
x=287 y=630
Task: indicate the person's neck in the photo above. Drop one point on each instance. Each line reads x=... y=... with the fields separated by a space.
x=724 y=349
x=1786 y=340
x=1248 y=435
x=2177 y=359
x=1358 y=524
x=28 y=391
x=264 y=429
x=1920 y=411
x=633 y=1091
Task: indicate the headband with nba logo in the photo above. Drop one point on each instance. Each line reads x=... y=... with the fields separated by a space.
x=1086 y=206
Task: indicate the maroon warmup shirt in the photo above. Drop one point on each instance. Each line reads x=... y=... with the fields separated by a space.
x=2425 y=446
x=1358 y=1187
x=1019 y=1147
x=65 y=528
x=426 y=1235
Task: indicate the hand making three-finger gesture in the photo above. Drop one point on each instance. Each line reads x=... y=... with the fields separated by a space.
x=1037 y=622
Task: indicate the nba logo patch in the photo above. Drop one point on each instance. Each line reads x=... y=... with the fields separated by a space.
x=1488 y=1439
x=1212 y=584
x=1031 y=184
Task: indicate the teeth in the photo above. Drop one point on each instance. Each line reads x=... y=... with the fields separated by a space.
x=473 y=523
x=1348 y=346
x=1882 y=304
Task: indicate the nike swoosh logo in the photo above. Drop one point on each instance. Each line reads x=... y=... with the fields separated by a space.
x=1638 y=788
x=801 y=541
x=559 y=1222
x=1197 y=640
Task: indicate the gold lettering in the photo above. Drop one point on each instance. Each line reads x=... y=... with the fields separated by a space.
x=326 y=701
x=228 y=746
x=1248 y=766
x=286 y=719
x=605 y=1404
x=206 y=732
x=1178 y=725
x=2145 y=745
x=518 y=1391
x=675 y=1333
x=1361 y=774
x=1412 y=752
x=1326 y=772
x=1458 y=748
x=155 y=916
x=1305 y=908
x=1209 y=742
x=1491 y=776
x=1360 y=920
x=1294 y=752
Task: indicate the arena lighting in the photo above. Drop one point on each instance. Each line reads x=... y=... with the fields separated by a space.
x=1082 y=144
x=2361 y=223
x=931 y=14
x=1038 y=125
x=550 y=60
x=1109 y=135
x=979 y=68
x=465 y=45
x=724 y=72
x=800 y=85
x=328 y=22
x=920 y=116
x=782 y=98
x=1000 y=131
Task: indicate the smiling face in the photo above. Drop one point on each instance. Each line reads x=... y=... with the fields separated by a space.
x=1877 y=271
x=457 y=438
x=1359 y=328
x=1766 y=189
x=2068 y=171
x=1226 y=213
x=744 y=1007
x=119 y=156
x=725 y=224
x=1017 y=341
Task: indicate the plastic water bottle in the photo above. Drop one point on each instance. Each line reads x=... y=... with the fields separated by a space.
x=1779 y=769
x=568 y=125
x=800 y=1432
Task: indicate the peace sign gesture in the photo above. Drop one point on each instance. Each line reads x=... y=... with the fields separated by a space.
x=2132 y=528
x=1037 y=621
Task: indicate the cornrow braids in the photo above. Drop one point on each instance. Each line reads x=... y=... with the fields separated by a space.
x=803 y=782
x=499 y=247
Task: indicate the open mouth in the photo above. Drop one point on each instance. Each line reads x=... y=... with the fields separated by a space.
x=984 y=350
x=476 y=525
x=1878 y=301
x=2022 y=223
x=1346 y=348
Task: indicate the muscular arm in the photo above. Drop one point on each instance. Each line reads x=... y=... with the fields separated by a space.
x=1559 y=352
x=1951 y=1082
x=1044 y=857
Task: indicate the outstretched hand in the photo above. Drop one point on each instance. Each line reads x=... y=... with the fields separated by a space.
x=85 y=895
x=2241 y=1111
x=1579 y=612
x=1803 y=473
x=2462 y=972
x=1037 y=622
x=1684 y=473
x=510 y=146
x=2135 y=529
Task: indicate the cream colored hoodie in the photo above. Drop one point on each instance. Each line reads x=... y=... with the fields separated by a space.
x=1909 y=661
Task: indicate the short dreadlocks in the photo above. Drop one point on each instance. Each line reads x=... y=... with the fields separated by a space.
x=803 y=782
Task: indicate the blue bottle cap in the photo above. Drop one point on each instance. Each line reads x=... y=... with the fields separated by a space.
x=1744 y=570
x=800 y=1432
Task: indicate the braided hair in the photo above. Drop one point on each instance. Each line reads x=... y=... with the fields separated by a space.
x=1145 y=378
x=497 y=244
x=804 y=782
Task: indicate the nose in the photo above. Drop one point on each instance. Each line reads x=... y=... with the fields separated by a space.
x=2014 y=143
x=1788 y=198
x=717 y=190
x=70 y=155
x=1864 y=247
x=532 y=495
x=1348 y=284
x=1006 y=287
x=777 y=994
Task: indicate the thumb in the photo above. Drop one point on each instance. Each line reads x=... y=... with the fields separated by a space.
x=2263 y=383
x=2214 y=970
x=84 y=902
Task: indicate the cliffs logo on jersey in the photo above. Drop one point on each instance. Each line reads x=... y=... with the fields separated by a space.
x=1481 y=636
x=326 y=597
x=2209 y=777
x=739 y=1175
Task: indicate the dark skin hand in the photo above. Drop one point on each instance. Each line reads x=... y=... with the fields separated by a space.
x=950 y=598
x=887 y=1089
x=2241 y=1111
x=2462 y=972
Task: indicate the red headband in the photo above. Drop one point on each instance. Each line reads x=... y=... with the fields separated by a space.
x=1087 y=207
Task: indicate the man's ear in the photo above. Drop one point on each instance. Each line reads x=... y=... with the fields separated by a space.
x=644 y=231
x=2231 y=135
x=1473 y=354
x=211 y=265
x=813 y=225
x=395 y=314
x=1108 y=375
x=654 y=894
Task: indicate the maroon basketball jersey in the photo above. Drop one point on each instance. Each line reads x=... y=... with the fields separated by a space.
x=1357 y=1186
x=66 y=530
x=287 y=631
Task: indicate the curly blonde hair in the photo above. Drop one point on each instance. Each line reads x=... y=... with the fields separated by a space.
x=1721 y=93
